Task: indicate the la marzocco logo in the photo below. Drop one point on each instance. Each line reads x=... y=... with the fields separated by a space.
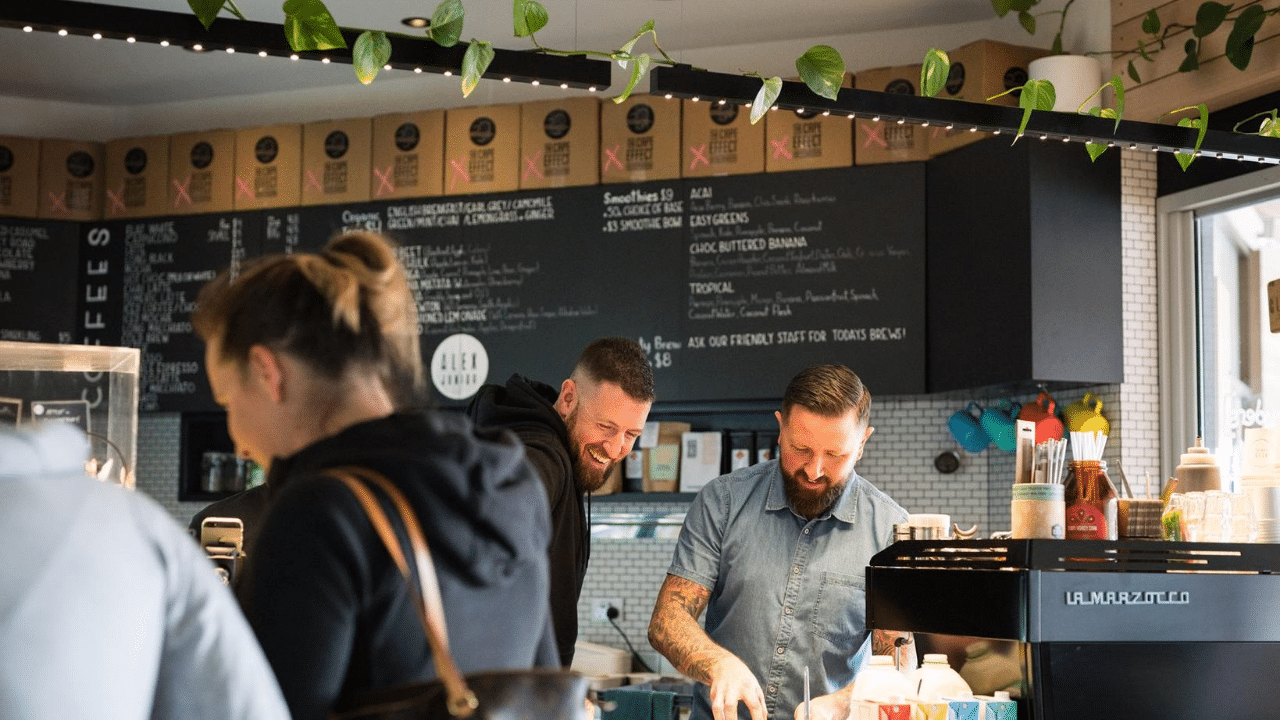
x=336 y=144
x=1123 y=597
x=135 y=161
x=640 y=119
x=80 y=164
x=266 y=149
x=724 y=114
x=201 y=155
x=556 y=124
x=407 y=137
x=483 y=131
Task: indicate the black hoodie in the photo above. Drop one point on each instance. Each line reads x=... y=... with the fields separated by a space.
x=331 y=611
x=527 y=408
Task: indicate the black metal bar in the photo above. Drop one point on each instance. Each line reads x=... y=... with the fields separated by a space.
x=407 y=53
x=685 y=82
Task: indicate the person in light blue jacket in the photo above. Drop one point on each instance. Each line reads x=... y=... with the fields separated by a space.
x=108 y=608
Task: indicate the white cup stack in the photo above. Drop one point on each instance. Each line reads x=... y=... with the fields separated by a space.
x=1260 y=480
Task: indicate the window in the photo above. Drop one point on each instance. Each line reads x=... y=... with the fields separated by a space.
x=1220 y=361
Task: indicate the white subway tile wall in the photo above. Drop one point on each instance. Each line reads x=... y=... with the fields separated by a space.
x=910 y=432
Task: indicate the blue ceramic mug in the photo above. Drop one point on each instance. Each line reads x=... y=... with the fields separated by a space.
x=966 y=427
x=1001 y=424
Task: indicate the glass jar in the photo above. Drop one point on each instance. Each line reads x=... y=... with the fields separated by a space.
x=1091 y=501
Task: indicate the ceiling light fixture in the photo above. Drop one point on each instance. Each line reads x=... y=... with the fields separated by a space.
x=416 y=22
x=683 y=81
x=407 y=53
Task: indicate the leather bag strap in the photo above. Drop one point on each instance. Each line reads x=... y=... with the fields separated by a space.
x=427 y=601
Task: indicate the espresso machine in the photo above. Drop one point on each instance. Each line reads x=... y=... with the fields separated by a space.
x=1103 y=629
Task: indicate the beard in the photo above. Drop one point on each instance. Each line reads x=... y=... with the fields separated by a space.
x=809 y=503
x=587 y=476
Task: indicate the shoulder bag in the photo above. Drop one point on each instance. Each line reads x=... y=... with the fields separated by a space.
x=514 y=694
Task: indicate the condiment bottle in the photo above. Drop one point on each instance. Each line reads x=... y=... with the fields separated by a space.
x=1091 y=501
x=1198 y=471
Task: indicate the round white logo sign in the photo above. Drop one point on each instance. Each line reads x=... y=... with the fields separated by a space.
x=459 y=366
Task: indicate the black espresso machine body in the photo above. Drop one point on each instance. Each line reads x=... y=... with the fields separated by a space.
x=1128 y=629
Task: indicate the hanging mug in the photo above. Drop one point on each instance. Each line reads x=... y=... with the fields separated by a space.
x=1041 y=412
x=1086 y=416
x=1001 y=424
x=966 y=427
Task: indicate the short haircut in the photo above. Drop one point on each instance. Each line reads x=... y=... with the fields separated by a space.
x=829 y=390
x=620 y=361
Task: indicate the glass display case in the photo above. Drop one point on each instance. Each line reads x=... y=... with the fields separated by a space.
x=92 y=387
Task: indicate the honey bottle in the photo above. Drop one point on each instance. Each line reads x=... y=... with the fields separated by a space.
x=1091 y=501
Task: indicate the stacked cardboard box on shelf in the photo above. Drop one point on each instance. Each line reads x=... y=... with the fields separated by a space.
x=719 y=139
x=268 y=167
x=70 y=180
x=335 y=161
x=408 y=150
x=137 y=177
x=888 y=140
x=559 y=143
x=481 y=149
x=981 y=70
x=640 y=139
x=201 y=172
x=806 y=139
x=19 y=176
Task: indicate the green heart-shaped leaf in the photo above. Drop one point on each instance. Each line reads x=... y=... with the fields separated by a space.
x=1191 y=62
x=1036 y=95
x=529 y=17
x=446 y=23
x=1133 y=73
x=1243 y=34
x=308 y=25
x=822 y=69
x=1208 y=17
x=637 y=71
x=933 y=72
x=1001 y=7
x=370 y=53
x=475 y=61
x=1151 y=23
x=206 y=10
x=1095 y=150
x=1028 y=22
x=764 y=99
x=625 y=51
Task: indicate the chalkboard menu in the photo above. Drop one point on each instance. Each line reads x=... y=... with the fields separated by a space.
x=731 y=284
x=37 y=278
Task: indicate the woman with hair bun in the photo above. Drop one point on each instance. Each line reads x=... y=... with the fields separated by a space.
x=315 y=358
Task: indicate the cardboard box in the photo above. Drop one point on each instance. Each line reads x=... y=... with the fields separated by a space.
x=560 y=143
x=268 y=167
x=137 y=177
x=202 y=168
x=880 y=710
x=981 y=70
x=408 y=155
x=481 y=149
x=889 y=141
x=70 y=180
x=700 y=459
x=19 y=176
x=336 y=157
x=719 y=139
x=640 y=139
x=806 y=139
x=660 y=447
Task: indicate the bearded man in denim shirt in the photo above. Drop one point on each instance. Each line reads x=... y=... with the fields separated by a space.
x=776 y=553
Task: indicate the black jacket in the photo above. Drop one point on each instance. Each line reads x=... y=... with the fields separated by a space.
x=330 y=609
x=527 y=407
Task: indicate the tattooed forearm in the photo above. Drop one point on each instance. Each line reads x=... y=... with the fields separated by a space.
x=674 y=629
x=901 y=646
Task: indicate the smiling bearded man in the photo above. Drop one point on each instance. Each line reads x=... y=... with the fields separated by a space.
x=574 y=437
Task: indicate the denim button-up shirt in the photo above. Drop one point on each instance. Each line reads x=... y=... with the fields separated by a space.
x=786 y=592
